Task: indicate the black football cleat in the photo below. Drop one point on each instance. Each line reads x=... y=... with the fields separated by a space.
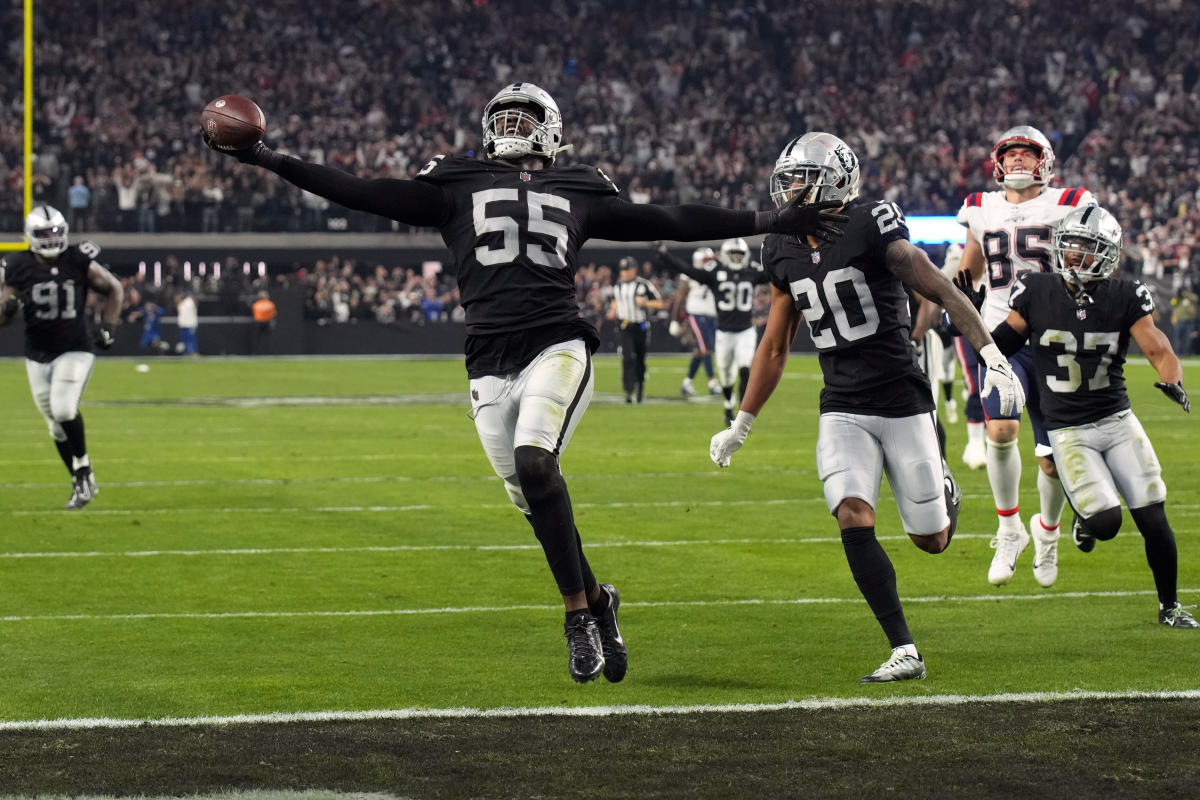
x=586 y=655
x=616 y=657
x=83 y=489
x=1082 y=540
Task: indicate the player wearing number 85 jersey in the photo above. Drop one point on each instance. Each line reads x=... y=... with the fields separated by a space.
x=876 y=405
x=514 y=223
x=1009 y=234
x=50 y=283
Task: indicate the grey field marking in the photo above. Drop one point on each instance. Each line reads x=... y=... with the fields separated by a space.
x=411 y=612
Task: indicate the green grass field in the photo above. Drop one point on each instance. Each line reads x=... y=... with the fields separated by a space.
x=327 y=536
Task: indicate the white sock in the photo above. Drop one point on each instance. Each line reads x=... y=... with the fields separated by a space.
x=1004 y=474
x=1053 y=499
x=976 y=432
x=78 y=462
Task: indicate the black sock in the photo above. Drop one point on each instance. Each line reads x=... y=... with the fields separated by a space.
x=601 y=605
x=1161 y=553
x=64 y=452
x=573 y=617
x=75 y=438
x=876 y=579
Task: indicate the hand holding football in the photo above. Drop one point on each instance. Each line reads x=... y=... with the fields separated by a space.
x=233 y=122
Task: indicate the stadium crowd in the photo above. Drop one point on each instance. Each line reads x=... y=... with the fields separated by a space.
x=679 y=101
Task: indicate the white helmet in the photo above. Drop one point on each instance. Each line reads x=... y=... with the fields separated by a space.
x=735 y=254
x=704 y=258
x=46 y=230
x=1090 y=231
x=1023 y=136
x=522 y=120
x=821 y=159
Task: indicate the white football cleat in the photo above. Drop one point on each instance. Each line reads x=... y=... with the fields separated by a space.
x=905 y=664
x=975 y=455
x=1011 y=540
x=1045 y=552
x=687 y=389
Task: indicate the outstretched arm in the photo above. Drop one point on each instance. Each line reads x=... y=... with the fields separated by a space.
x=676 y=264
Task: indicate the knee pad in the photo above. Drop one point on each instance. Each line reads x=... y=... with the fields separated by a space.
x=1104 y=525
x=536 y=468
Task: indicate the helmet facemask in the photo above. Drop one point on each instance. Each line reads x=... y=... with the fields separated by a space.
x=1087 y=246
x=1033 y=139
x=822 y=160
x=46 y=231
x=735 y=254
x=522 y=120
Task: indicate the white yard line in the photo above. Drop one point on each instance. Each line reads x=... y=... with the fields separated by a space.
x=405 y=612
x=812 y=704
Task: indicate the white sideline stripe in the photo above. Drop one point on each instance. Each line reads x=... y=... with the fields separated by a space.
x=507 y=712
x=125 y=512
x=420 y=548
x=404 y=612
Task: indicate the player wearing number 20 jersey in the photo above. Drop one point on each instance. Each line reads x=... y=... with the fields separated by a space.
x=856 y=312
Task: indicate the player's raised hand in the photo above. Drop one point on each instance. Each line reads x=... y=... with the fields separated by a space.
x=966 y=284
x=1001 y=379
x=1175 y=392
x=799 y=218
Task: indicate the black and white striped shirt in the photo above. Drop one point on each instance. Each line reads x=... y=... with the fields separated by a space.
x=625 y=295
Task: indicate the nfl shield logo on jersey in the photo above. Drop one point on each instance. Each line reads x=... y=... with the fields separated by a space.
x=525 y=176
x=816 y=257
x=1081 y=313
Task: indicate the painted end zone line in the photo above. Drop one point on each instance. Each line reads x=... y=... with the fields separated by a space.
x=814 y=704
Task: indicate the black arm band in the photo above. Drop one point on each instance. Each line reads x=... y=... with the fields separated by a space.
x=1008 y=340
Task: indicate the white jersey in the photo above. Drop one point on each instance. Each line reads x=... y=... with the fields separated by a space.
x=1015 y=238
x=700 y=301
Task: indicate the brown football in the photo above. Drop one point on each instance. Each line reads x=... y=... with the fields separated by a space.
x=233 y=122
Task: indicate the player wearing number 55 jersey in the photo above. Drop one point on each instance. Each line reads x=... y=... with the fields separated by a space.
x=50 y=283
x=514 y=223
x=1079 y=323
x=876 y=406
x=1009 y=235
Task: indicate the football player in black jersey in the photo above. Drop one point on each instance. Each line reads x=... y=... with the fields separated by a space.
x=877 y=412
x=1079 y=320
x=514 y=223
x=733 y=284
x=49 y=282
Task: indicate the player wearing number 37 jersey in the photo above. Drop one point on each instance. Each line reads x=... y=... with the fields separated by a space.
x=876 y=405
x=514 y=223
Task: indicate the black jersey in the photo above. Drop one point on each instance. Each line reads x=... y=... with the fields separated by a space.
x=856 y=312
x=1079 y=343
x=733 y=291
x=53 y=294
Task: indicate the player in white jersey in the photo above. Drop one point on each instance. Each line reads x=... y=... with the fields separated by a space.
x=1009 y=234
x=700 y=308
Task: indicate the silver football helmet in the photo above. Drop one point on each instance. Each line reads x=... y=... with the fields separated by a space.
x=821 y=159
x=46 y=230
x=522 y=120
x=1087 y=245
x=1023 y=136
x=735 y=254
x=704 y=258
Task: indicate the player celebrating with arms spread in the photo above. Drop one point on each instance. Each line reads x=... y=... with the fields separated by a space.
x=514 y=223
x=1079 y=322
x=877 y=411
x=1009 y=234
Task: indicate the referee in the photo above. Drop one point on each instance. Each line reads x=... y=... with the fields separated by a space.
x=632 y=297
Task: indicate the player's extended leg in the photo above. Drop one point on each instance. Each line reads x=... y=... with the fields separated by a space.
x=1004 y=475
x=724 y=356
x=850 y=465
x=69 y=375
x=975 y=453
x=1044 y=526
x=39 y=387
x=927 y=495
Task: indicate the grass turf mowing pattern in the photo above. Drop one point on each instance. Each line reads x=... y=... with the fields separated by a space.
x=1117 y=748
x=714 y=621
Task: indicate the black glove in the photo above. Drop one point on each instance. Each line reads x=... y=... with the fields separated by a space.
x=104 y=338
x=966 y=285
x=11 y=306
x=257 y=154
x=806 y=219
x=1175 y=392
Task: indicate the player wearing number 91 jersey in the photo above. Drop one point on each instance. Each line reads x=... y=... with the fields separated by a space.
x=876 y=406
x=48 y=284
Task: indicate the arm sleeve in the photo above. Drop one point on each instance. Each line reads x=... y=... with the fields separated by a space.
x=622 y=221
x=410 y=202
x=1008 y=340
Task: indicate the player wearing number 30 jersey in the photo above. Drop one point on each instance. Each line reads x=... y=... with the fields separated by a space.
x=514 y=223
x=876 y=406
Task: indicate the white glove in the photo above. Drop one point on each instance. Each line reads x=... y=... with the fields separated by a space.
x=730 y=440
x=1000 y=377
x=675 y=328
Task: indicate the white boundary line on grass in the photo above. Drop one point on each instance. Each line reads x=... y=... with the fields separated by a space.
x=814 y=704
x=407 y=612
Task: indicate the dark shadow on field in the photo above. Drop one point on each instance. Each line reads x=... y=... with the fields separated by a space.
x=1081 y=749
